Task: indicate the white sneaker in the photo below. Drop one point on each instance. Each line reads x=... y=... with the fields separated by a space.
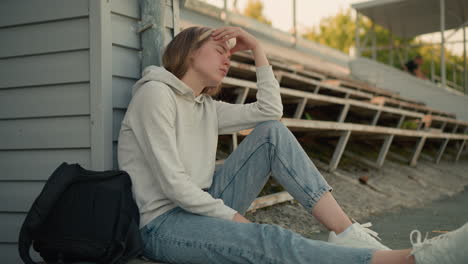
x=449 y=248
x=357 y=236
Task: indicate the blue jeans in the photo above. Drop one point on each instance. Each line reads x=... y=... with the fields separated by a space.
x=179 y=236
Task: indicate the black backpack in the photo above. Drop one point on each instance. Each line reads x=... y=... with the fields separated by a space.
x=83 y=215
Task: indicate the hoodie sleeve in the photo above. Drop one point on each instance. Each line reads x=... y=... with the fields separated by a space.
x=153 y=122
x=236 y=117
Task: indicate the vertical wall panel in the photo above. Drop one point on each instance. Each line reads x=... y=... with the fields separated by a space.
x=44 y=103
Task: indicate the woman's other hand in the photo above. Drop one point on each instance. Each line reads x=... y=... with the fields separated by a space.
x=244 y=40
x=240 y=218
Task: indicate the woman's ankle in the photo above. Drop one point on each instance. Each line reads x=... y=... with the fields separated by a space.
x=393 y=257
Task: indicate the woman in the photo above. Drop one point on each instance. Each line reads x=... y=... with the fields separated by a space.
x=192 y=212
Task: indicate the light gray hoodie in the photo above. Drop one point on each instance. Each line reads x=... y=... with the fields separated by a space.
x=168 y=140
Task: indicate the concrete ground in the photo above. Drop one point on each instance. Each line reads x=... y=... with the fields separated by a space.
x=394 y=228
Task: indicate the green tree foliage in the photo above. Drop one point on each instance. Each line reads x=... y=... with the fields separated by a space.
x=254 y=9
x=338 y=32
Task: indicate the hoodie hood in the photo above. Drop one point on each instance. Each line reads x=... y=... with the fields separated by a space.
x=160 y=74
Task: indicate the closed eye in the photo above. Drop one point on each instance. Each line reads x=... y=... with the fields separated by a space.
x=224 y=50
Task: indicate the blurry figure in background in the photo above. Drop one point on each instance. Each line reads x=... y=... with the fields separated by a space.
x=414 y=67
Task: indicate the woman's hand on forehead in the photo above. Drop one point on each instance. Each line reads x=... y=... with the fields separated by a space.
x=243 y=40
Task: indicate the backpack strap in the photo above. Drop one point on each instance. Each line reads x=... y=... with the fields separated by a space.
x=134 y=244
x=129 y=237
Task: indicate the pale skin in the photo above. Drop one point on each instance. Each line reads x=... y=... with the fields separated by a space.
x=209 y=71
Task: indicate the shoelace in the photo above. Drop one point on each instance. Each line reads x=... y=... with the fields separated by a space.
x=418 y=240
x=419 y=244
x=365 y=228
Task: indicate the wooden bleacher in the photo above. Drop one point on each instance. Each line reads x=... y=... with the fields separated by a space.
x=342 y=107
x=325 y=77
x=302 y=99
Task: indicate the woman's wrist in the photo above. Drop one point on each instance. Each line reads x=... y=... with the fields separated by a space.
x=240 y=218
x=259 y=56
x=257 y=48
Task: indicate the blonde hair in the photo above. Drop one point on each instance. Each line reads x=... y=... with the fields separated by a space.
x=177 y=53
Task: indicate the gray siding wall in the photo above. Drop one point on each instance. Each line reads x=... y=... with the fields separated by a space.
x=44 y=102
x=126 y=56
x=126 y=69
x=66 y=68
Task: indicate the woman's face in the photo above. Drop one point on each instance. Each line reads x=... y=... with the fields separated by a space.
x=211 y=61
